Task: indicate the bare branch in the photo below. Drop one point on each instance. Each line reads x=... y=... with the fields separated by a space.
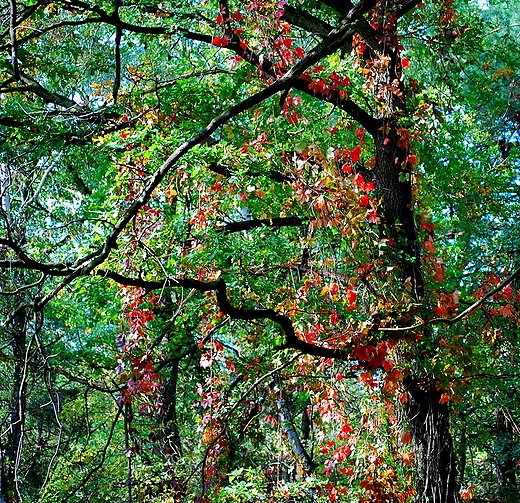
x=246 y=225
x=220 y=289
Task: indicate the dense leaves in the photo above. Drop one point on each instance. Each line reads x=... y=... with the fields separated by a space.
x=259 y=251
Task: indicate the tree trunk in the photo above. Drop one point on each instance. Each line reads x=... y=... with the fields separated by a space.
x=172 y=446
x=16 y=332
x=304 y=464
x=9 y=482
x=504 y=454
x=428 y=420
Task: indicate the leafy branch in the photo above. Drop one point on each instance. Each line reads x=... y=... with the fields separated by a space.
x=462 y=314
x=326 y=47
x=220 y=289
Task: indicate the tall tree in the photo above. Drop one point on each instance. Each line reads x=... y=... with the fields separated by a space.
x=287 y=207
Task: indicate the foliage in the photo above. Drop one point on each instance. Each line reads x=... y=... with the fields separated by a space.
x=259 y=251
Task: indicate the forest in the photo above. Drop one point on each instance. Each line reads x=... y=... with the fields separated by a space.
x=260 y=251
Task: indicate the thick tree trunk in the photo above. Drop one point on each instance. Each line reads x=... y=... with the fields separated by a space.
x=392 y=174
x=428 y=420
x=426 y=417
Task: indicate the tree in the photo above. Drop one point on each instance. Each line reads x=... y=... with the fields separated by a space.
x=226 y=224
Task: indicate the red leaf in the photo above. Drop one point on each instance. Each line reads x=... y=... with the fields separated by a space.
x=334 y=318
x=299 y=52
x=317 y=86
x=445 y=398
x=364 y=200
x=351 y=297
x=220 y=41
x=344 y=433
x=373 y=217
x=359 y=179
x=355 y=155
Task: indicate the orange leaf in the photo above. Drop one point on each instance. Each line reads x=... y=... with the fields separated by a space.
x=407 y=458
x=445 y=398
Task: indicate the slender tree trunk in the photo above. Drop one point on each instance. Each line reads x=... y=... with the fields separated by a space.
x=304 y=464
x=172 y=446
x=16 y=332
x=504 y=454
x=12 y=450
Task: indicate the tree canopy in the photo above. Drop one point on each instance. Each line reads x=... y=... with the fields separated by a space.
x=259 y=251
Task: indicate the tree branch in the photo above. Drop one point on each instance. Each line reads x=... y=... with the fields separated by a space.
x=323 y=49
x=246 y=225
x=277 y=176
x=12 y=35
x=265 y=66
x=306 y=21
x=220 y=289
x=74 y=108
x=26 y=262
x=461 y=315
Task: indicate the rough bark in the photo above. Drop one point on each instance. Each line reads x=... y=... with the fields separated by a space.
x=11 y=451
x=171 y=439
x=428 y=420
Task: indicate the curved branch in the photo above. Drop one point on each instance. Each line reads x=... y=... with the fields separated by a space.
x=323 y=49
x=461 y=315
x=220 y=289
x=299 y=82
x=81 y=112
x=26 y=262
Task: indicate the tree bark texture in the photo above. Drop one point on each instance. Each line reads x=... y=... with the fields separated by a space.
x=428 y=420
x=426 y=417
x=11 y=451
